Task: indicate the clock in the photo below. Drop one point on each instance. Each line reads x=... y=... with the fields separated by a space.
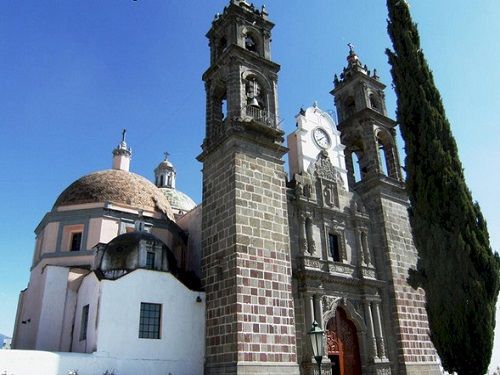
x=321 y=138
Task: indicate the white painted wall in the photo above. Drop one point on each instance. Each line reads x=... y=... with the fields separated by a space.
x=50 y=237
x=30 y=305
x=52 y=308
x=94 y=232
x=109 y=230
x=26 y=362
x=88 y=294
x=182 y=342
x=304 y=151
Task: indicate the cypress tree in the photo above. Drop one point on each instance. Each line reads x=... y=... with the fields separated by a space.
x=456 y=266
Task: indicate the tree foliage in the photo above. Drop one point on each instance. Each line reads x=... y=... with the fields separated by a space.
x=456 y=267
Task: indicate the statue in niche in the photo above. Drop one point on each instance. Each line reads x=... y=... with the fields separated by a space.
x=330 y=195
x=307 y=191
x=298 y=190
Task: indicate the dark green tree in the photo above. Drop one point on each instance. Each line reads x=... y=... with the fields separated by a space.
x=456 y=267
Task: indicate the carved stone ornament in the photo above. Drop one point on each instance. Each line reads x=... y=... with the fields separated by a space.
x=340 y=181
x=330 y=303
x=383 y=371
x=324 y=167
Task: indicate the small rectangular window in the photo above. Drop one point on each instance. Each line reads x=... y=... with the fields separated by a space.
x=150 y=321
x=333 y=242
x=76 y=241
x=84 y=323
x=150 y=260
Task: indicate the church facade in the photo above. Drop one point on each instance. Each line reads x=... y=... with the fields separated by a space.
x=266 y=254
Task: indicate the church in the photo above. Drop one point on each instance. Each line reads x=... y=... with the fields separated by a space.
x=130 y=276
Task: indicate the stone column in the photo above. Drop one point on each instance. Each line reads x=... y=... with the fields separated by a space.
x=378 y=331
x=318 y=310
x=372 y=343
x=302 y=234
x=362 y=254
x=364 y=246
x=309 y=304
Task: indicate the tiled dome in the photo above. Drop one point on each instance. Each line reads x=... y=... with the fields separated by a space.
x=116 y=186
x=178 y=200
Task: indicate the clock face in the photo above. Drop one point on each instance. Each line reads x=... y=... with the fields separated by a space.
x=321 y=138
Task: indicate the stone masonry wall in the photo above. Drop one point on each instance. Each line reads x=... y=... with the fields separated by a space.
x=218 y=239
x=246 y=261
x=413 y=344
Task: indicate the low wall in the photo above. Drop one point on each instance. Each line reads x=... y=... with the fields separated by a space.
x=30 y=362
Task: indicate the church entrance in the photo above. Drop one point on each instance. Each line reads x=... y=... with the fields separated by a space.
x=342 y=345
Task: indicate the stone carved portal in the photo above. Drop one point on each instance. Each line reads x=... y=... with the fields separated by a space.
x=342 y=345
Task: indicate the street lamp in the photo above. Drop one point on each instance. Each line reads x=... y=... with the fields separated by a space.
x=317 y=343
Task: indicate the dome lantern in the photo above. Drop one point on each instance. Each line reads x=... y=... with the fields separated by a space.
x=165 y=174
x=122 y=155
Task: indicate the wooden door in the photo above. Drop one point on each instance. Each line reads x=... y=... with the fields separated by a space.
x=342 y=345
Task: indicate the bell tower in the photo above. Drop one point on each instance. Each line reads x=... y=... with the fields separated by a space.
x=246 y=261
x=367 y=132
x=374 y=172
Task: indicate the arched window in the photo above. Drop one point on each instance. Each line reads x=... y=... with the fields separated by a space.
x=250 y=43
x=161 y=180
x=374 y=103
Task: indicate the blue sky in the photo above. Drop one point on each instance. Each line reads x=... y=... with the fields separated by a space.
x=74 y=73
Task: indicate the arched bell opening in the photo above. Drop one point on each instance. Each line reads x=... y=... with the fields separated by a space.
x=342 y=345
x=252 y=41
x=218 y=106
x=258 y=98
x=375 y=103
x=355 y=171
x=387 y=155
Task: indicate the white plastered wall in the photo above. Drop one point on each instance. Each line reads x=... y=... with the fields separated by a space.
x=303 y=149
x=182 y=335
x=88 y=294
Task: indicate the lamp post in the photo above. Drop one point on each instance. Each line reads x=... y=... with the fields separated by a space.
x=317 y=343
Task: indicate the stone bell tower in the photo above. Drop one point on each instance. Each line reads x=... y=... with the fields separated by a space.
x=374 y=172
x=245 y=241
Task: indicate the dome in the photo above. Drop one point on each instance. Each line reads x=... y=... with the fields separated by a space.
x=164 y=165
x=116 y=186
x=130 y=251
x=178 y=200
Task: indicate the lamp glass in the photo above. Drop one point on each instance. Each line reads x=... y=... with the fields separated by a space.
x=317 y=342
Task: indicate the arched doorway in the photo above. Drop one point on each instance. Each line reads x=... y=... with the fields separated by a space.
x=342 y=345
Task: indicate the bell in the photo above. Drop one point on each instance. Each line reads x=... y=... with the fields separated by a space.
x=254 y=103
